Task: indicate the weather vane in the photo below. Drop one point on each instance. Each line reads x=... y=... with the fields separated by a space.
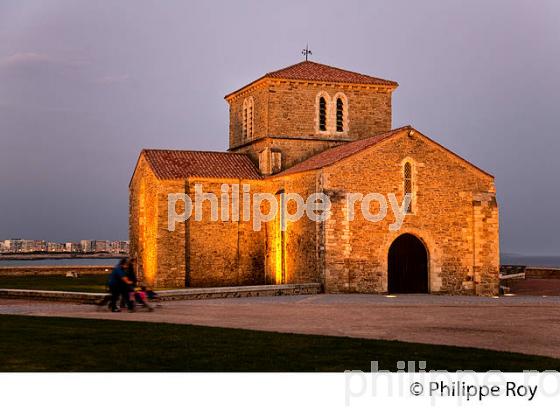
x=306 y=52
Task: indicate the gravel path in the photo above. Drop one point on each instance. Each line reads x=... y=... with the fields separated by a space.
x=525 y=324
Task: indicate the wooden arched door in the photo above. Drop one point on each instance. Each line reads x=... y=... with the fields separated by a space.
x=408 y=265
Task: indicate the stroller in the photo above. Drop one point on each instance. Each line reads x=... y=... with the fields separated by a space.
x=146 y=298
x=142 y=296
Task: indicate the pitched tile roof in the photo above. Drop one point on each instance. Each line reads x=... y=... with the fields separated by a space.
x=339 y=152
x=311 y=71
x=172 y=164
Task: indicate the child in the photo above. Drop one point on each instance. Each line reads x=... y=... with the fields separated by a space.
x=142 y=296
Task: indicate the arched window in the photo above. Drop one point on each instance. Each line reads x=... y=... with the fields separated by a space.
x=339 y=115
x=245 y=119
x=322 y=114
x=408 y=183
x=248 y=118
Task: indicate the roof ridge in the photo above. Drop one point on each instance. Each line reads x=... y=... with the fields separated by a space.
x=286 y=68
x=383 y=134
x=307 y=165
x=192 y=150
x=332 y=68
x=326 y=158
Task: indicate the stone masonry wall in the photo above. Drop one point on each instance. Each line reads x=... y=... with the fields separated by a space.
x=295 y=252
x=292 y=150
x=202 y=253
x=260 y=116
x=160 y=253
x=171 y=244
x=143 y=192
x=293 y=111
x=542 y=273
x=486 y=243
x=224 y=253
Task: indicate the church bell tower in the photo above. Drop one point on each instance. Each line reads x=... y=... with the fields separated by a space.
x=289 y=115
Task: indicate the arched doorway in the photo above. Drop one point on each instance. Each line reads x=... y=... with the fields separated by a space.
x=408 y=265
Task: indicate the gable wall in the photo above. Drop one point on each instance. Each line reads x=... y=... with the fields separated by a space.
x=160 y=253
x=456 y=217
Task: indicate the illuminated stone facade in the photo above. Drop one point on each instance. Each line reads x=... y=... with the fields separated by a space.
x=292 y=142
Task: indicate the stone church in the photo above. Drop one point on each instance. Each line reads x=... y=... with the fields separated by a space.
x=312 y=128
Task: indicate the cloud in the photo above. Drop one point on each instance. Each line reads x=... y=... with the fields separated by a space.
x=112 y=79
x=32 y=60
x=25 y=60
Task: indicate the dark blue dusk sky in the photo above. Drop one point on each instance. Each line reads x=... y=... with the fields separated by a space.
x=85 y=85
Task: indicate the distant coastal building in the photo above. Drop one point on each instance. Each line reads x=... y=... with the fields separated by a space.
x=12 y=246
x=55 y=247
x=102 y=246
x=72 y=247
x=120 y=247
x=88 y=245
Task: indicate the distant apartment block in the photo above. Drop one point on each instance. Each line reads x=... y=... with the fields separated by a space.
x=11 y=246
x=55 y=247
x=88 y=246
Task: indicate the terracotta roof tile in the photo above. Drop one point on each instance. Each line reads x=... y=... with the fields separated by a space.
x=172 y=164
x=309 y=70
x=339 y=152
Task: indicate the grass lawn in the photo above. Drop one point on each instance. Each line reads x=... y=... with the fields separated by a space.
x=61 y=344
x=84 y=283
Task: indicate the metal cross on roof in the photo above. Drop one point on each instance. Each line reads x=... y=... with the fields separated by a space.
x=306 y=52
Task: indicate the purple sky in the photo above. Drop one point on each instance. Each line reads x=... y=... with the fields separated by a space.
x=85 y=85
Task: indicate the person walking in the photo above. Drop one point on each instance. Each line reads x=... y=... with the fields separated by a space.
x=130 y=285
x=118 y=282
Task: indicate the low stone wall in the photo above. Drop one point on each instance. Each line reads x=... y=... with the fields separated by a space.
x=507 y=270
x=241 y=291
x=52 y=295
x=542 y=273
x=53 y=270
x=530 y=280
x=63 y=255
x=177 y=294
